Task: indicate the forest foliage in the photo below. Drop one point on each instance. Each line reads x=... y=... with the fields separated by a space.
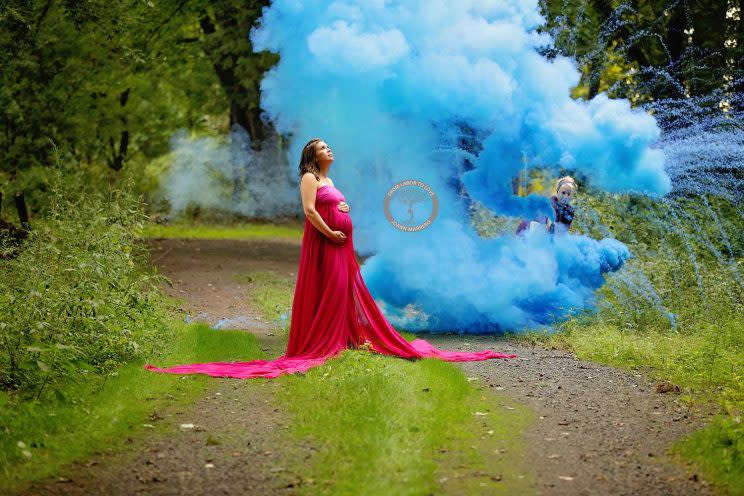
x=110 y=82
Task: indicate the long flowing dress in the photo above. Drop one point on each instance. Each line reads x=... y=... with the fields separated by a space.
x=332 y=310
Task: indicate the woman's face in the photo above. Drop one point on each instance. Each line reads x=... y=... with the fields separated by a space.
x=565 y=193
x=323 y=153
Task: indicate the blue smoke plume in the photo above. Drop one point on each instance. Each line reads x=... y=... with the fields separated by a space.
x=454 y=94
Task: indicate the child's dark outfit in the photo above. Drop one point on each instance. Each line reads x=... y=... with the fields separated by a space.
x=564 y=214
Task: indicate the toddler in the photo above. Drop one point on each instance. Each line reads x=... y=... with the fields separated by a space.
x=565 y=191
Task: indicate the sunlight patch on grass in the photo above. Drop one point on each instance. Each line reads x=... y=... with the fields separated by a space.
x=387 y=425
x=235 y=231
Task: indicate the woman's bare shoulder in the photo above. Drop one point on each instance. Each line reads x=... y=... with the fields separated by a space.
x=309 y=178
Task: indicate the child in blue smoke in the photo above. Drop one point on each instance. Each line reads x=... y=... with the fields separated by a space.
x=565 y=191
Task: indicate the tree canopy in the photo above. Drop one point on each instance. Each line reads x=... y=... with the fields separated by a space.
x=109 y=82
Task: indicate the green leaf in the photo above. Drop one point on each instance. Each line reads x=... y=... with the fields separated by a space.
x=60 y=397
x=83 y=365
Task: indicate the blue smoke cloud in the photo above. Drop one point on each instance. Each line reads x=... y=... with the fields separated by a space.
x=396 y=88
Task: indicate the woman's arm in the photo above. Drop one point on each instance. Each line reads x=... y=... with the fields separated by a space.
x=308 y=192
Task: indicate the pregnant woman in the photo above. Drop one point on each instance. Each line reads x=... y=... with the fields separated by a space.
x=332 y=308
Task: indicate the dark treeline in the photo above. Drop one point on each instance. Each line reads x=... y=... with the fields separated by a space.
x=107 y=83
x=675 y=48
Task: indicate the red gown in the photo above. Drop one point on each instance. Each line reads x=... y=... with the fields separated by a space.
x=332 y=310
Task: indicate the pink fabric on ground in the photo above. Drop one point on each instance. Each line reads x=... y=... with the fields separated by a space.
x=332 y=310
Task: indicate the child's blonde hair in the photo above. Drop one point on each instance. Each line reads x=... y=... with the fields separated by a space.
x=566 y=180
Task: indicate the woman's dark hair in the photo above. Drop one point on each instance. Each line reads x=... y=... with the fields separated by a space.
x=308 y=161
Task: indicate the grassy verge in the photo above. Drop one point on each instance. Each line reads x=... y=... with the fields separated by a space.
x=233 y=231
x=102 y=413
x=387 y=425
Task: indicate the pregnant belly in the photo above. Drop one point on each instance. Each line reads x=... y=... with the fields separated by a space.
x=339 y=221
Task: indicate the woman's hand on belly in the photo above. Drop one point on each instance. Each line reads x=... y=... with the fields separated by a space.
x=343 y=206
x=340 y=221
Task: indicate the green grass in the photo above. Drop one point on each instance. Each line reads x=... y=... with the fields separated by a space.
x=717 y=450
x=100 y=413
x=387 y=425
x=215 y=231
x=708 y=363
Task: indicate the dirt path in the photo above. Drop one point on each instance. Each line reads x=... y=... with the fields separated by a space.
x=202 y=273
x=600 y=430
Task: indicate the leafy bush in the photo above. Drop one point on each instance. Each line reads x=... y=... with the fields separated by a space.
x=79 y=297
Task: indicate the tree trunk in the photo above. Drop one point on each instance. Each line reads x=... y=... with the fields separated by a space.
x=596 y=63
x=675 y=40
x=242 y=111
x=116 y=161
x=20 y=203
